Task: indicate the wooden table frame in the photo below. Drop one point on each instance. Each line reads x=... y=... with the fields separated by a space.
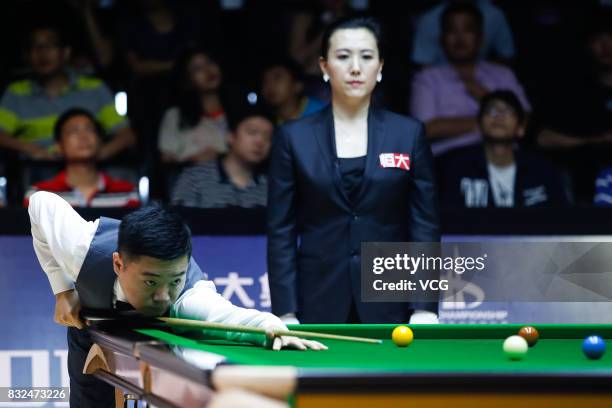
x=149 y=371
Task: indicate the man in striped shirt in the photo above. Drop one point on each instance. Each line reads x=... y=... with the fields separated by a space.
x=78 y=136
x=233 y=180
x=29 y=108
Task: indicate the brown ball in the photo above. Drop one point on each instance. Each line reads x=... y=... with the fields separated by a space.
x=530 y=334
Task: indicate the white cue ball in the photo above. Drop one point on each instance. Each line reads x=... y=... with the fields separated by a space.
x=515 y=347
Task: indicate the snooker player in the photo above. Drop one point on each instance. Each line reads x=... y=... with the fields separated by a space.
x=143 y=262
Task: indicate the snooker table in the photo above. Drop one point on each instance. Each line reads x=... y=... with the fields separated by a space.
x=446 y=365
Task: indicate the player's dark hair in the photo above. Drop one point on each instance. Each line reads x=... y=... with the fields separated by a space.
x=506 y=96
x=461 y=7
x=154 y=231
x=369 y=23
x=71 y=113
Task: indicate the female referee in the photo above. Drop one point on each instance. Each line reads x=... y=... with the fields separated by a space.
x=348 y=174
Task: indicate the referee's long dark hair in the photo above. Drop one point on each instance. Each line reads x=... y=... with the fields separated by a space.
x=154 y=231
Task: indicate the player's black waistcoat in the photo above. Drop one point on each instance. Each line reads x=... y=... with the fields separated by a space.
x=95 y=288
x=97 y=276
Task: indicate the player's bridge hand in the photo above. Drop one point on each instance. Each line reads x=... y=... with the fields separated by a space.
x=290 y=342
x=67 y=308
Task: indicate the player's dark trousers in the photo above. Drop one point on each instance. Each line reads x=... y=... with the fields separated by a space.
x=86 y=391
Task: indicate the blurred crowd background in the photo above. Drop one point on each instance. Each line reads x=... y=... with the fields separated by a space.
x=111 y=103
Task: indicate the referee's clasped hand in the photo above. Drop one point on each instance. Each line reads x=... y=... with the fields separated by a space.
x=67 y=308
x=290 y=342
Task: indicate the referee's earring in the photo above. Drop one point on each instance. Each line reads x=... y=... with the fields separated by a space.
x=379 y=77
x=325 y=78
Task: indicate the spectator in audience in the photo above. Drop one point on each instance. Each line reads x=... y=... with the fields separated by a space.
x=497 y=41
x=582 y=113
x=497 y=173
x=30 y=107
x=78 y=136
x=196 y=129
x=306 y=31
x=233 y=180
x=577 y=122
x=152 y=36
x=282 y=89
x=102 y=48
x=446 y=97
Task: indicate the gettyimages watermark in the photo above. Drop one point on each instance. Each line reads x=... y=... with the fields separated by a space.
x=506 y=271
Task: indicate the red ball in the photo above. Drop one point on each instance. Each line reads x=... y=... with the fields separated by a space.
x=530 y=334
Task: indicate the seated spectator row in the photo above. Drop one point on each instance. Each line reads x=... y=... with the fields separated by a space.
x=212 y=142
x=30 y=107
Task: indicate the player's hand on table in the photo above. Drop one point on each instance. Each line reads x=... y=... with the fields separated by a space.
x=67 y=308
x=281 y=342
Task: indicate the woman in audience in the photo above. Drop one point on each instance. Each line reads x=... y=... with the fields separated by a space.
x=304 y=40
x=196 y=128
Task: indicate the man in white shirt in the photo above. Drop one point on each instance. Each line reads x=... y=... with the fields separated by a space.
x=143 y=262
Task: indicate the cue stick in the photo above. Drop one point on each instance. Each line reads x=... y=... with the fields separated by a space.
x=199 y=324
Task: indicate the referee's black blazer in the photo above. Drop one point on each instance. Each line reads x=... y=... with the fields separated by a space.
x=315 y=232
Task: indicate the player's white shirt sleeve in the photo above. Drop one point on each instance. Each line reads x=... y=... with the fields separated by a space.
x=203 y=302
x=61 y=241
x=61 y=238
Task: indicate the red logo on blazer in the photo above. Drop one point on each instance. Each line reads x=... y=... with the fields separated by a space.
x=396 y=160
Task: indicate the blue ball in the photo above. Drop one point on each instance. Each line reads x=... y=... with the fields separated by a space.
x=593 y=347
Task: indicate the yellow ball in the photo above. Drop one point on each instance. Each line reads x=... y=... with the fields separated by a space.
x=402 y=336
